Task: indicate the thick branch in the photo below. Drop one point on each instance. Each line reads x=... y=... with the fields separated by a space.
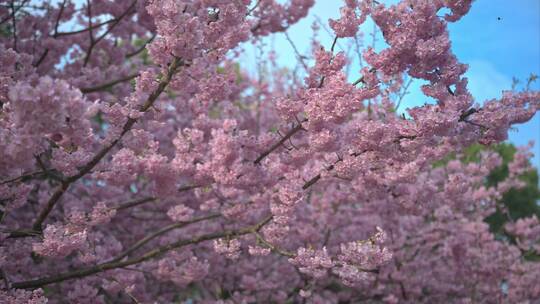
x=87 y=271
x=175 y=64
x=31 y=233
x=158 y=233
x=279 y=143
x=107 y=85
x=317 y=177
x=134 y=203
x=24 y=177
x=14 y=25
x=13 y=11
x=273 y=247
x=89 y=28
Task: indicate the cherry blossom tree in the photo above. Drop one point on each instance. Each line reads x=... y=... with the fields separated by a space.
x=140 y=162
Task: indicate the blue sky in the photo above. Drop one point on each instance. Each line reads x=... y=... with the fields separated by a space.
x=498 y=39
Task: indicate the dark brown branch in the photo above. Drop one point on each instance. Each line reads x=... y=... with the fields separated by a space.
x=279 y=143
x=5 y=279
x=9 y=16
x=23 y=177
x=294 y=130
x=86 y=29
x=23 y=233
x=330 y=33
x=107 y=85
x=334 y=42
x=175 y=64
x=313 y=180
x=317 y=177
x=90 y=33
x=450 y=91
x=87 y=271
x=158 y=233
x=57 y=23
x=32 y=233
x=272 y=247
x=361 y=79
x=13 y=11
x=51 y=173
x=50 y=204
x=134 y=203
x=142 y=48
x=144 y=200
x=253 y=8
x=466 y=114
x=14 y=25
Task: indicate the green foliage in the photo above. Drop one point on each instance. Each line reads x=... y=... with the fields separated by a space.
x=521 y=202
x=237 y=72
x=138 y=43
x=5 y=30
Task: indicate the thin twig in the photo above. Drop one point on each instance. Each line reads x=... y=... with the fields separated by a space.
x=142 y=47
x=253 y=8
x=93 y=42
x=400 y=98
x=328 y=31
x=317 y=177
x=298 y=55
x=55 y=34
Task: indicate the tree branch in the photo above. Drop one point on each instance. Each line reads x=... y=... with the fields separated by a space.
x=280 y=142
x=93 y=42
x=89 y=28
x=273 y=247
x=298 y=55
x=87 y=271
x=21 y=233
x=107 y=85
x=13 y=12
x=55 y=34
x=158 y=233
x=134 y=203
x=175 y=64
x=140 y=49
x=317 y=177
x=14 y=25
